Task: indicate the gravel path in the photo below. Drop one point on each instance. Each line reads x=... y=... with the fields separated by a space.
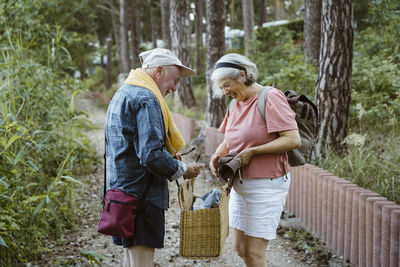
x=68 y=249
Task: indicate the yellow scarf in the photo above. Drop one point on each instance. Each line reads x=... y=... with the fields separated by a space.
x=173 y=138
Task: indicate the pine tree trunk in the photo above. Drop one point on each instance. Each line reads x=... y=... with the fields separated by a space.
x=262 y=16
x=135 y=37
x=312 y=30
x=165 y=14
x=216 y=105
x=248 y=24
x=153 y=24
x=232 y=18
x=199 y=37
x=109 y=63
x=116 y=33
x=124 y=38
x=333 y=92
x=180 y=41
x=277 y=10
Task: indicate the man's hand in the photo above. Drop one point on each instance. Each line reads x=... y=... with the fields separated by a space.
x=193 y=169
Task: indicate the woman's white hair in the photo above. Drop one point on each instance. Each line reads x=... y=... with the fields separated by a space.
x=230 y=72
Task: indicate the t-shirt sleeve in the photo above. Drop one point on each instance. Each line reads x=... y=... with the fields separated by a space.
x=279 y=116
x=222 y=127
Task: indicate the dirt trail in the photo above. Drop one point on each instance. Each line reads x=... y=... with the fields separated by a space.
x=67 y=250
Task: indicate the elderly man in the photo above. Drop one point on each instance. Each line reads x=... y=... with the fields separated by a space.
x=142 y=141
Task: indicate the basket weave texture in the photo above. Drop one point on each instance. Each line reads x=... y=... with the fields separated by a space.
x=202 y=232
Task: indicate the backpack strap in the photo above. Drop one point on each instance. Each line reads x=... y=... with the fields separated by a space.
x=232 y=105
x=262 y=100
x=261 y=103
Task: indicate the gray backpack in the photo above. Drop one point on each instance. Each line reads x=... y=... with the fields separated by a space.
x=306 y=118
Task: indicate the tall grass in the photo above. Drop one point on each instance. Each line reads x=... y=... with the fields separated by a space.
x=372 y=160
x=42 y=149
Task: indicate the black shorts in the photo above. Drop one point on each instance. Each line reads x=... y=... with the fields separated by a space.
x=149 y=231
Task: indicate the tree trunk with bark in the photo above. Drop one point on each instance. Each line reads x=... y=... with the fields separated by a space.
x=312 y=30
x=180 y=41
x=109 y=63
x=216 y=104
x=262 y=15
x=333 y=92
x=153 y=23
x=116 y=33
x=135 y=36
x=277 y=10
x=124 y=37
x=165 y=15
x=199 y=36
x=248 y=24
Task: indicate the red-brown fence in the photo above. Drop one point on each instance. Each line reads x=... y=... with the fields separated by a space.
x=356 y=223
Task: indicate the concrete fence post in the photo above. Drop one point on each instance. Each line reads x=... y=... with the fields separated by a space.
x=385 y=233
x=394 y=238
x=369 y=228
x=348 y=227
x=355 y=227
x=362 y=235
x=341 y=229
x=377 y=231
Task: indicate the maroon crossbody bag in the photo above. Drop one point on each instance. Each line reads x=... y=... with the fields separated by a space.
x=120 y=210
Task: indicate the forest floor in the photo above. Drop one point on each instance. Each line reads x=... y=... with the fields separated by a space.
x=78 y=247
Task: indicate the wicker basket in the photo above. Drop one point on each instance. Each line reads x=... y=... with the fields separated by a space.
x=202 y=232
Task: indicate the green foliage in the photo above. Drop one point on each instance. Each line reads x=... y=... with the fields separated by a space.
x=297 y=28
x=280 y=61
x=294 y=74
x=35 y=24
x=42 y=149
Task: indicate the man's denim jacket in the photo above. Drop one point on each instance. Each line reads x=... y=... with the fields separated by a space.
x=135 y=148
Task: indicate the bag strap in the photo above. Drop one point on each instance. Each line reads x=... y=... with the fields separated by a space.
x=262 y=100
x=146 y=190
x=261 y=104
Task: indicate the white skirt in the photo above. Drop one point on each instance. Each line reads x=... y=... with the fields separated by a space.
x=255 y=207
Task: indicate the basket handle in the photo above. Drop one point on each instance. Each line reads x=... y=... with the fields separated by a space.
x=185 y=190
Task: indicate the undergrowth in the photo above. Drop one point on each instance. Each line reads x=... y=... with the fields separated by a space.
x=42 y=150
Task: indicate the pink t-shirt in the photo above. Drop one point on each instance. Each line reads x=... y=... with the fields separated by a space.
x=245 y=128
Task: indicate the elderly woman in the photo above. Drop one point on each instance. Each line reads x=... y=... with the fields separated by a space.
x=256 y=200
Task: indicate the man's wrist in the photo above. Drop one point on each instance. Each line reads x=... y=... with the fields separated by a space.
x=182 y=169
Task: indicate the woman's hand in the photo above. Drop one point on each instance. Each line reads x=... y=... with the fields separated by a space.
x=214 y=164
x=246 y=156
x=221 y=150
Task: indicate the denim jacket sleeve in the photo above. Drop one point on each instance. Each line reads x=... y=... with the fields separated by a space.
x=149 y=145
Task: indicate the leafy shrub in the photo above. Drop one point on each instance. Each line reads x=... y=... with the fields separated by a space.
x=294 y=73
x=280 y=61
x=42 y=148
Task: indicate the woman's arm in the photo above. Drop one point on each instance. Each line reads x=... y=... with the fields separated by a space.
x=286 y=141
x=221 y=151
